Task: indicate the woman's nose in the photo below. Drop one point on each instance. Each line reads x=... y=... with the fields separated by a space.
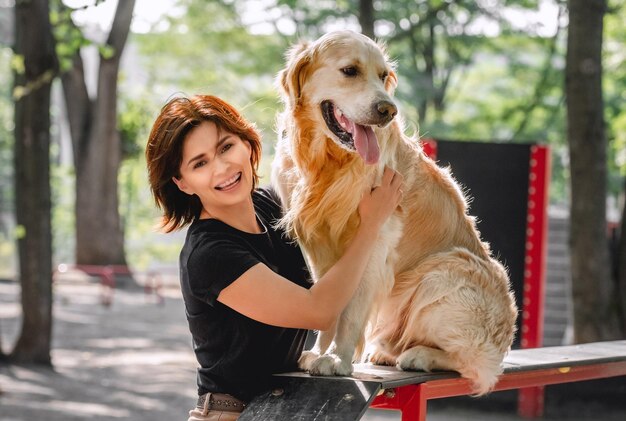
x=221 y=165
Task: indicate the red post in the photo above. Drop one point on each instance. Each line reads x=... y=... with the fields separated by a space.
x=531 y=400
x=410 y=400
x=429 y=147
x=416 y=407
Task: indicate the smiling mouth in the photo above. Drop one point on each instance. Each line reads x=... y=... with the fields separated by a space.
x=230 y=183
x=349 y=134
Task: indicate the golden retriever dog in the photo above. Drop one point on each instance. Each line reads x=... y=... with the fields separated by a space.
x=432 y=297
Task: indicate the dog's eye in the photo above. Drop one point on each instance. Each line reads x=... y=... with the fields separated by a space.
x=350 y=71
x=384 y=76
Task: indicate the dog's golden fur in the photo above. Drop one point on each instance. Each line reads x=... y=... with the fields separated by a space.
x=433 y=296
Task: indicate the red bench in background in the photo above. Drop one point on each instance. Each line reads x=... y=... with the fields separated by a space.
x=106 y=273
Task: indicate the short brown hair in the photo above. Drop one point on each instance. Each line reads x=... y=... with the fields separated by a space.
x=164 y=152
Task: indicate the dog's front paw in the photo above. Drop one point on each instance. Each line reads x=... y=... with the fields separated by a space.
x=306 y=360
x=330 y=365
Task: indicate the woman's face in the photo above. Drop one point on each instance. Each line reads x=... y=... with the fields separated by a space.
x=215 y=166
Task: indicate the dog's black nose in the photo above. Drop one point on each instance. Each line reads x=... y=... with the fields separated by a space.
x=387 y=110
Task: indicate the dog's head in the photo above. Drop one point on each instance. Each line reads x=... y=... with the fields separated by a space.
x=345 y=83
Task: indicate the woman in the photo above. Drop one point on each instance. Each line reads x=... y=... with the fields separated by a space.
x=248 y=296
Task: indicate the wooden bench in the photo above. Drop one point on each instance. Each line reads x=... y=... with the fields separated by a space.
x=299 y=396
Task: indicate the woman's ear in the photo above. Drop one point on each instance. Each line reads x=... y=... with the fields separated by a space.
x=182 y=186
x=249 y=148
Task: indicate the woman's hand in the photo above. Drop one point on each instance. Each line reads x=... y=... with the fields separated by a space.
x=377 y=205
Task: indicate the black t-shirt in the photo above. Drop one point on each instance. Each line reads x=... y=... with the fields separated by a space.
x=237 y=354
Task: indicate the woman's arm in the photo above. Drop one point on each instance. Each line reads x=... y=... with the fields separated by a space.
x=263 y=295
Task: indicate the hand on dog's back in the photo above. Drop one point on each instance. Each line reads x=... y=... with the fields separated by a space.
x=377 y=205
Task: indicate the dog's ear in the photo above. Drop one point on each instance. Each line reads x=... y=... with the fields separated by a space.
x=292 y=77
x=392 y=78
x=392 y=82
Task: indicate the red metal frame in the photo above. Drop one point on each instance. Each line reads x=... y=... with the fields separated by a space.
x=536 y=250
x=429 y=146
x=412 y=399
x=531 y=400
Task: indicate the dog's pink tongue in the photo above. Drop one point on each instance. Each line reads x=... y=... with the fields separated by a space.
x=365 y=140
x=366 y=143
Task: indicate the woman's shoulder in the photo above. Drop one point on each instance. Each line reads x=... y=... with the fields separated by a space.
x=267 y=200
x=211 y=242
x=209 y=234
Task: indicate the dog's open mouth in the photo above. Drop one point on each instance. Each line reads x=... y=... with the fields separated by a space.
x=351 y=135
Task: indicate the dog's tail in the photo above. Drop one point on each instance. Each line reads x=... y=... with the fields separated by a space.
x=482 y=367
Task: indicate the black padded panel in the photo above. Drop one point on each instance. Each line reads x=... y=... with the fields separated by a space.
x=495 y=178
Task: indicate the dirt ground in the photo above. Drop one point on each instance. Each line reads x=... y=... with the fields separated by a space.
x=133 y=361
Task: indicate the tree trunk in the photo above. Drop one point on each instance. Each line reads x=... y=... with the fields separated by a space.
x=366 y=17
x=97 y=151
x=594 y=318
x=621 y=267
x=34 y=41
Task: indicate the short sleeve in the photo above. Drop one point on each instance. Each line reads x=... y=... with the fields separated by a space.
x=214 y=265
x=268 y=203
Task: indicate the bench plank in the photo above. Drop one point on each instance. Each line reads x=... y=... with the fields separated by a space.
x=572 y=355
x=300 y=396
x=312 y=398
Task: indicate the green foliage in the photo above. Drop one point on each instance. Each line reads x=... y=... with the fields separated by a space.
x=145 y=245
x=69 y=38
x=615 y=90
x=62 y=184
x=528 y=4
x=7 y=257
x=7 y=243
x=312 y=19
x=133 y=123
x=17 y=63
x=106 y=51
x=6 y=142
x=207 y=50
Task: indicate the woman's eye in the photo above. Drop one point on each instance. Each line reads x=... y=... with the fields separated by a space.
x=226 y=147
x=199 y=164
x=350 y=71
